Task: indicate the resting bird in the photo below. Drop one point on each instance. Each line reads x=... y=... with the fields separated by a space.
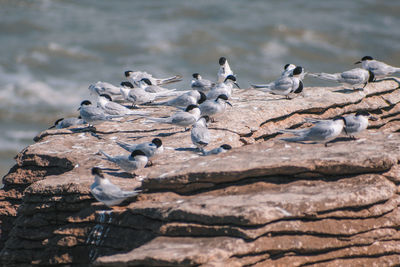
x=106 y=88
x=222 y=149
x=191 y=97
x=322 y=131
x=129 y=163
x=139 y=95
x=379 y=68
x=284 y=85
x=105 y=102
x=353 y=77
x=67 y=122
x=224 y=88
x=149 y=148
x=181 y=118
x=94 y=115
x=108 y=193
x=200 y=84
x=214 y=107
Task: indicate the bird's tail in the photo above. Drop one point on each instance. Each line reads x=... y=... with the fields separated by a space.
x=131 y=193
x=124 y=145
x=325 y=76
x=261 y=86
x=293 y=139
x=173 y=79
x=292 y=131
x=109 y=157
x=159 y=120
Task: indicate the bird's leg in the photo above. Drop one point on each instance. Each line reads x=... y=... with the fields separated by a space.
x=365 y=84
x=326 y=144
x=352 y=137
x=149 y=163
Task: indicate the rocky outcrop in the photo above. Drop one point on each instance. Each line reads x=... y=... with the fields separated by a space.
x=264 y=203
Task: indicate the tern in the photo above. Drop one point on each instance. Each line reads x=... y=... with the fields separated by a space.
x=379 y=68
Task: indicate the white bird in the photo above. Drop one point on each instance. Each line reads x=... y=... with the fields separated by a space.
x=214 y=107
x=200 y=134
x=67 y=122
x=284 y=85
x=140 y=95
x=323 y=130
x=108 y=193
x=224 y=70
x=379 y=68
x=149 y=148
x=222 y=149
x=94 y=115
x=354 y=77
x=192 y=97
x=105 y=102
x=129 y=163
x=135 y=76
x=181 y=118
x=200 y=84
x=106 y=88
x=357 y=123
x=224 y=88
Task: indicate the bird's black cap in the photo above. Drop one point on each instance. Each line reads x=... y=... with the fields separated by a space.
x=127 y=84
x=190 y=107
x=195 y=75
x=97 y=171
x=230 y=77
x=222 y=61
x=226 y=147
x=298 y=70
x=127 y=73
x=286 y=66
x=86 y=102
x=367 y=58
x=223 y=96
x=137 y=153
x=157 y=142
x=147 y=81
x=106 y=96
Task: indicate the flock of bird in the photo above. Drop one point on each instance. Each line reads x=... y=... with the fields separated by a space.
x=199 y=106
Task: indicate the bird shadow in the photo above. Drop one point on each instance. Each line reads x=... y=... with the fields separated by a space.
x=389 y=79
x=191 y=149
x=118 y=173
x=340 y=139
x=348 y=91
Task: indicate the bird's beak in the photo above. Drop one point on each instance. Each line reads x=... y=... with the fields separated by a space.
x=237 y=85
x=229 y=103
x=345 y=130
x=358 y=62
x=52 y=127
x=372 y=118
x=79 y=108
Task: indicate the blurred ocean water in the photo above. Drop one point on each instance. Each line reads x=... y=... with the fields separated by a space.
x=52 y=50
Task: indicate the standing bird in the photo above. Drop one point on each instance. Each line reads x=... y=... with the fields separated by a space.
x=214 y=107
x=181 y=118
x=284 y=85
x=108 y=193
x=192 y=97
x=353 y=77
x=200 y=135
x=379 y=68
x=357 y=123
x=149 y=148
x=129 y=163
x=322 y=131
x=105 y=102
x=224 y=70
x=135 y=76
x=67 y=122
x=222 y=149
x=225 y=87
x=94 y=115
x=200 y=84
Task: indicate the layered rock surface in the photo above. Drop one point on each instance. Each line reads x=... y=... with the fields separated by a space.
x=264 y=203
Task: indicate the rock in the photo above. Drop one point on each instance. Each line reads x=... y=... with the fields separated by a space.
x=266 y=202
